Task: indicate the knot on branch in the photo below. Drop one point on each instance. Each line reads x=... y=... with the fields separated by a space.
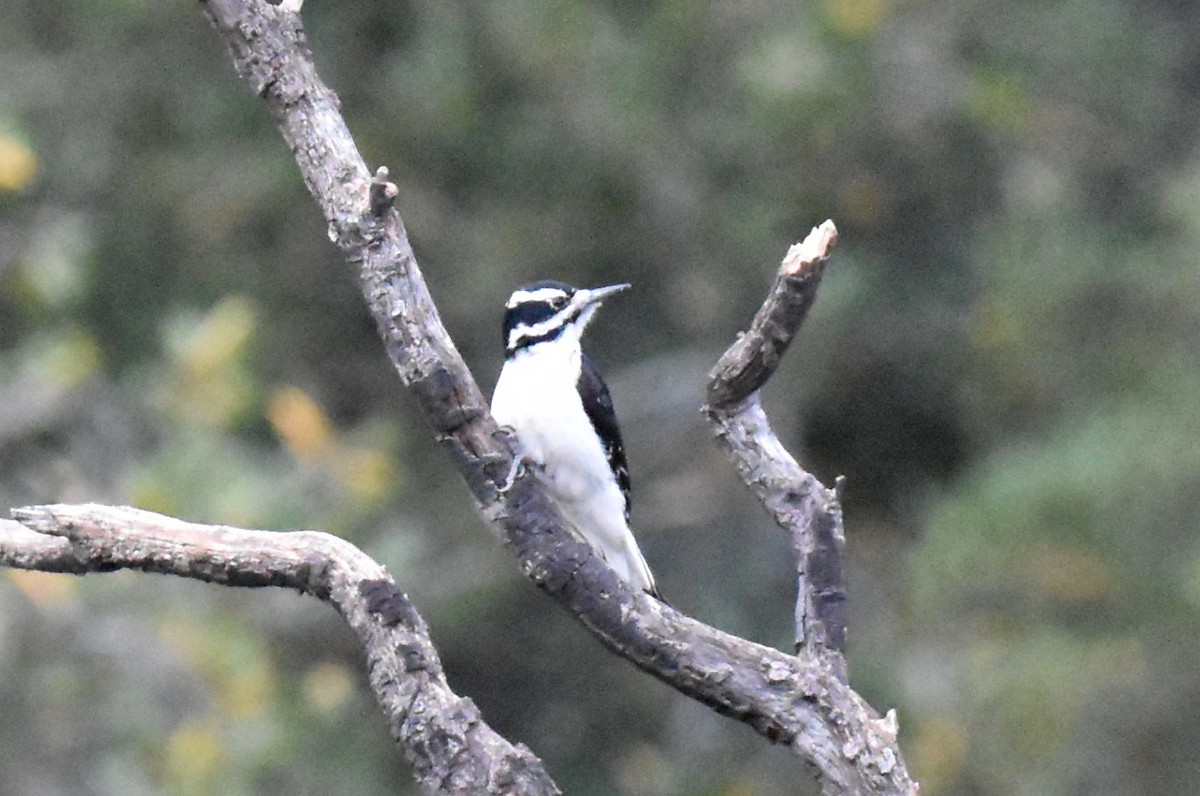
x=386 y=601
x=382 y=193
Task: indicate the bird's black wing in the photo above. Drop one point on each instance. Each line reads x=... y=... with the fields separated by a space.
x=598 y=405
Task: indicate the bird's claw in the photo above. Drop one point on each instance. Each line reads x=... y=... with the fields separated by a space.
x=509 y=436
x=515 y=469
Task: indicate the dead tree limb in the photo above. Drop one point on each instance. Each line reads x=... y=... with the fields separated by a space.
x=801 y=504
x=798 y=700
x=443 y=735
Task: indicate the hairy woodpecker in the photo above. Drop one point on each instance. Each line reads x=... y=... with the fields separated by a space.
x=551 y=394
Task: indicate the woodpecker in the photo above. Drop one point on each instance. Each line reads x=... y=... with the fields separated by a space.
x=551 y=394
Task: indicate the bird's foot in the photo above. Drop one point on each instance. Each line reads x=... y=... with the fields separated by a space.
x=519 y=464
x=515 y=470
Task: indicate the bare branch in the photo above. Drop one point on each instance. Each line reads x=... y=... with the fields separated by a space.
x=785 y=698
x=800 y=504
x=756 y=354
x=803 y=704
x=451 y=748
x=22 y=548
x=801 y=701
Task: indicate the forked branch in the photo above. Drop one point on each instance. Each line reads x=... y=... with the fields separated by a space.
x=798 y=700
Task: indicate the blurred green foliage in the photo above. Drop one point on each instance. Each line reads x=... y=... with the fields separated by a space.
x=1003 y=361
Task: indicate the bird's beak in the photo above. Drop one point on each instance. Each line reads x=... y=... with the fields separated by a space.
x=598 y=294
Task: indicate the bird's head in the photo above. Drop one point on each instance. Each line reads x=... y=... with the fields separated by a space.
x=544 y=311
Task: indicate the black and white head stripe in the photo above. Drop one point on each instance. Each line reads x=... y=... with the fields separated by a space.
x=545 y=292
x=540 y=311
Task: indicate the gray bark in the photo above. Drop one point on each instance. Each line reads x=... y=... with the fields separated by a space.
x=800 y=700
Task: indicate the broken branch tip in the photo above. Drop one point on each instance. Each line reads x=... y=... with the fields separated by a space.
x=810 y=251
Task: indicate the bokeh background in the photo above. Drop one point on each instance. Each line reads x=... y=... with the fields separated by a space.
x=1002 y=361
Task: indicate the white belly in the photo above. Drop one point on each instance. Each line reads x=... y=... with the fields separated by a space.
x=553 y=430
x=541 y=404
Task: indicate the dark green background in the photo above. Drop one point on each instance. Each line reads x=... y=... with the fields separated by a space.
x=1002 y=361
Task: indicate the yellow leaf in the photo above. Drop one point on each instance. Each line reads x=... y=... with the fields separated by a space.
x=855 y=18
x=18 y=164
x=300 y=423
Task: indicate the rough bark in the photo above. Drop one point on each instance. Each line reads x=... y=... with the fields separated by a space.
x=800 y=700
x=801 y=504
x=451 y=748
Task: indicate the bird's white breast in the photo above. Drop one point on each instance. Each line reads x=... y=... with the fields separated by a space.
x=537 y=396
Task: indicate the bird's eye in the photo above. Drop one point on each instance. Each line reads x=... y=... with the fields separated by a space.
x=558 y=302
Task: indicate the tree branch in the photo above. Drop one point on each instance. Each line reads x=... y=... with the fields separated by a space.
x=781 y=699
x=801 y=701
x=797 y=500
x=444 y=737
